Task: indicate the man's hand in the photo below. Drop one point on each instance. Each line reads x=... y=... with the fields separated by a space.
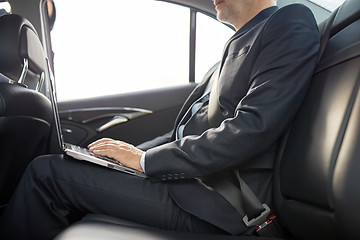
x=125 y=153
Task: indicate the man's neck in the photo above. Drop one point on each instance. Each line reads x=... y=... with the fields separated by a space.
x=250 y=11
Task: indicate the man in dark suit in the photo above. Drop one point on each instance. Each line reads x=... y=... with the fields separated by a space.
x=234 y=131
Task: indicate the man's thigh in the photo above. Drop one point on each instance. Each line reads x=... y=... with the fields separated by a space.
x=88 y=188
x=56 y=190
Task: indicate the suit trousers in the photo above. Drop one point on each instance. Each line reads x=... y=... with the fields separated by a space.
x=56 y=191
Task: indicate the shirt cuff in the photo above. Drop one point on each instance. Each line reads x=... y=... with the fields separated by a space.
x=142 y=161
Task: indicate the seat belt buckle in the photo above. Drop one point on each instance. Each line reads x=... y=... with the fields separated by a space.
x=268 y=221
x=270 y=228
x=258 y=221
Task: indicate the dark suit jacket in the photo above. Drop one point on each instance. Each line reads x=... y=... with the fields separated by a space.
x=264 y=75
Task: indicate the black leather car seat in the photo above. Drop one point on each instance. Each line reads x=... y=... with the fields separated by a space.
x=22 y=54
x=316 y=189
x=316 y=193
x=25 y=114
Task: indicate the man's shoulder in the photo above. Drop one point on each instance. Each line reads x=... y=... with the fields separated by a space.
x=294 y=10
x=292 y=15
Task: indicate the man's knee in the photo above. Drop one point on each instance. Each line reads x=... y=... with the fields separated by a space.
x=42 y=166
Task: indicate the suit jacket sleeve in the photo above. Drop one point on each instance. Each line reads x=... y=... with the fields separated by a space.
x=278 y=82
x=156 y=141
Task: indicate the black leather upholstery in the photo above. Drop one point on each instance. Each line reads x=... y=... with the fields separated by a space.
x=19 y=40
x=108 y=231
x=25 y=114
x=316 y=193
x=25 y=117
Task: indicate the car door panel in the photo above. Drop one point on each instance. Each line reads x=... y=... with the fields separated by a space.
x=131 y=117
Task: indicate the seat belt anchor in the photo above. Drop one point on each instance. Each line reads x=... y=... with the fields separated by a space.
x=258 y=221
x=268 y=221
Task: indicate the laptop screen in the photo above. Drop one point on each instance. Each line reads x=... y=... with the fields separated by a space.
x=54 y=106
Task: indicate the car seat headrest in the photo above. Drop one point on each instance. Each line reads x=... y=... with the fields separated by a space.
x=19 y=41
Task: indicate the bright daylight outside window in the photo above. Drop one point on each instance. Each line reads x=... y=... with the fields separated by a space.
x=330 y=5
x=123 y=46
x=128 y=46
x=206 y=40
x=5 y=8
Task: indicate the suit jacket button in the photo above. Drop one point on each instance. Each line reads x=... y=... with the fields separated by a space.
x=163 y=177
x=176 y=176
x=169 y=176
x=182 y=175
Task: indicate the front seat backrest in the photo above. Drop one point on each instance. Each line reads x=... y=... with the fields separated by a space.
x=20 y=44
x=316 y=185
x=25 y=114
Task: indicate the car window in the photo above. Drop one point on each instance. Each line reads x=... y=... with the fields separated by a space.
x=211 y=37
x=125 y=46
x=330 y=5
x=5 y=8
x=121 y=47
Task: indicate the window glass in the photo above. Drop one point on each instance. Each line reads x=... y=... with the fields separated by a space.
x=330 y=5
x=5 y=8
x=109 y=47
x=211 y=37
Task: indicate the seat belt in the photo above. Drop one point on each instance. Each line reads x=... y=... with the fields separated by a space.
x=215 y=116
x=243 y=200
x=325 y=31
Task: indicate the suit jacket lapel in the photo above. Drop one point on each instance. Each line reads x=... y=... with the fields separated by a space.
x=195 y=95
x=264 y=14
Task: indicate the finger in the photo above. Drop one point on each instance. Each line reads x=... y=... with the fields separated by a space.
x=107 y=145
x=119 y=147
x=114 y=144
x=95 y=143
x=114 y=152
x=107 y=153
x=109 y=142
x=102 y=140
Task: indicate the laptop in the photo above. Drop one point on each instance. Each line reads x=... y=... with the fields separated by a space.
x=78 y=152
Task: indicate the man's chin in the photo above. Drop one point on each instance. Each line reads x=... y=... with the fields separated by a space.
x=222 y=19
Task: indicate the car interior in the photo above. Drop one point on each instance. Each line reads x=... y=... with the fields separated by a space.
x=315 y=193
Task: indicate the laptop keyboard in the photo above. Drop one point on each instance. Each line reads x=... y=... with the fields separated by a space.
x=87 y=152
